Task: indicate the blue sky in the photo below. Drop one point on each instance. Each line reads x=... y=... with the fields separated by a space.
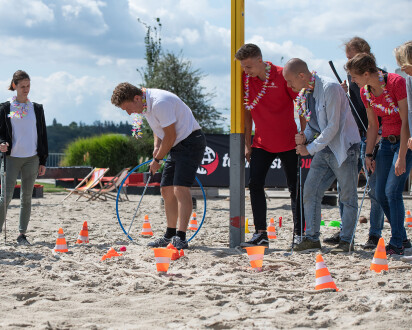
x=77 y=51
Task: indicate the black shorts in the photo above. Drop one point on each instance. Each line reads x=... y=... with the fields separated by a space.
x=183 y=161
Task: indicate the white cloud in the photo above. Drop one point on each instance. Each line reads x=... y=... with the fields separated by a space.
x=26 y=12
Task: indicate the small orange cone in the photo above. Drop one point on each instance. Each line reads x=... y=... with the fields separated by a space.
x=175 y=254
x=61 y=245
x=408 y=220
x=83 y=237
x=147 y=229
x=323 y=278
x=162 y=257
x=380 y=261
x=193 y=222
x=271 y=229
x=256 y=254
x=111 y=253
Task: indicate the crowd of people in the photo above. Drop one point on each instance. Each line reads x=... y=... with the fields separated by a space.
x=362 y=123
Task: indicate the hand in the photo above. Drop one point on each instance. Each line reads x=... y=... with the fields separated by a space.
x=400 y=166
x=300 y=138
x=248 y=152
x=301 y=150
x=344 y=86
x=378 y=139
x=370 y=165
x=155 y=150
x=410 y=143
x=4 y=147
x=154 y=167
x=42 y=170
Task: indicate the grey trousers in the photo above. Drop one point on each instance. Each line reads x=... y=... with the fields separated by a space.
x=29 y=167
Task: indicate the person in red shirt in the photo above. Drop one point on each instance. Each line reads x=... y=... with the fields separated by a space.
x=384 y=95
x=269 y=105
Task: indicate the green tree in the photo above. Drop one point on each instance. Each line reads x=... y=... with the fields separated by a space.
x=171 y=72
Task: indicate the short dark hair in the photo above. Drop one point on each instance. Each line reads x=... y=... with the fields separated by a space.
x=18 y=76
x=362 y=63
x=125 y=92
x=248 y=51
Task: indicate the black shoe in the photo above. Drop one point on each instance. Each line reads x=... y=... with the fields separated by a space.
x=372 y=243
x=160 y=242
x=307 y=245
x=406 y=244
x=334 y=239
x=178 y=243
x=22 y=240
x=342 y=247
x=390 y=250
x=258 y=239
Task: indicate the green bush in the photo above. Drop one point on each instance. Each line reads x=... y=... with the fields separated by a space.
x=109 y=150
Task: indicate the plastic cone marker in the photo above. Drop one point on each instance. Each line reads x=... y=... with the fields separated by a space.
x=380 y=260
x=147 y=229
x=247 y=226
x=61 y=245
x=162 y=257
x=193 y=222
x=83 y=237
x=111 y=253
x=256 y=254
x=323 y=278
x=334 y=223
x=280 y=222
x=408 y=220
x=271 y=229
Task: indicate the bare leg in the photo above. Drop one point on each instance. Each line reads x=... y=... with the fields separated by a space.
x=170 y=206
x=184 y=202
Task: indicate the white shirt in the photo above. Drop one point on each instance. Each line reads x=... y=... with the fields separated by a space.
x=338 y=127
x=164 y=109
x=24 y=137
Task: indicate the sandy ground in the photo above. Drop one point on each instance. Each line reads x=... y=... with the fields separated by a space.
x=211 y=287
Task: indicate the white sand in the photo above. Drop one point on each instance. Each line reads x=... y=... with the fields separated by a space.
x=212 y=286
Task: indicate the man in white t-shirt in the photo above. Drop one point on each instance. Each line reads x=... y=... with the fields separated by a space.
x=177 y=133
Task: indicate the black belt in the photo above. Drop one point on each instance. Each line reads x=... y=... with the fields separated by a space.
x=392 y=138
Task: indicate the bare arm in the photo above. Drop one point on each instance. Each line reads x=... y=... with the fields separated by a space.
x=164 y=147
x=400 y=165
x=371 y=135
x=248 y=134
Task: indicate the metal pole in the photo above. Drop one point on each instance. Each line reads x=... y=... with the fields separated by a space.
x=237 y=130
x=4 y=196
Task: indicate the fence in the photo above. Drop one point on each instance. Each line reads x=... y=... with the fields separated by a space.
x=54 y=159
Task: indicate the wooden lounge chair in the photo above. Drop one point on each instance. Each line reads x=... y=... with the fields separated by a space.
x=111 y=188
x=90 y=181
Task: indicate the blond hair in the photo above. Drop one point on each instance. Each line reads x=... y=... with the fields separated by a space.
x=403 y=54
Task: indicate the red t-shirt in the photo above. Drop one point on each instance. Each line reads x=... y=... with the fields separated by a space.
x=275 y=126
x=396 y=86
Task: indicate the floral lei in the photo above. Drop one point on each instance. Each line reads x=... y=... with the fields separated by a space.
x=392 y=108
x=138 y=118
x=250 y=106
x=300 y=102
x=22 y=108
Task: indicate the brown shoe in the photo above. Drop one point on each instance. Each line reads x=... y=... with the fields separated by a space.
x=307 y=245
x=342 y=247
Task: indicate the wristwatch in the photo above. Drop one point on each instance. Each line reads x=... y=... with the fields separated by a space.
x=369 y=155
x=159 y=161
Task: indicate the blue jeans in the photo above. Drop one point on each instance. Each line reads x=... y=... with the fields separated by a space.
x=323 y=171
x=389 y=188
x=376 y=213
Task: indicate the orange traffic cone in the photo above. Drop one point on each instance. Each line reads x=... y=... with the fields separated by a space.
x=408 y=219
x=255 y=254
x=147 y=229
x=61 y=245
x=193 y=222
x=111 y=253
x=175 y=254
x=323 y=278
x=84 y=235
x=162 y=257
x=271 y=229
x=380 y=261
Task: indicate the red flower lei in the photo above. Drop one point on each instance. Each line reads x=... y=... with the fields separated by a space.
x=250 y=106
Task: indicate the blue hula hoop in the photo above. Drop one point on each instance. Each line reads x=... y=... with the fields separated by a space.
x=121 y=187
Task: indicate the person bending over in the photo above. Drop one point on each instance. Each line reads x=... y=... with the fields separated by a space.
x=176 y=133
x=332 y=138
